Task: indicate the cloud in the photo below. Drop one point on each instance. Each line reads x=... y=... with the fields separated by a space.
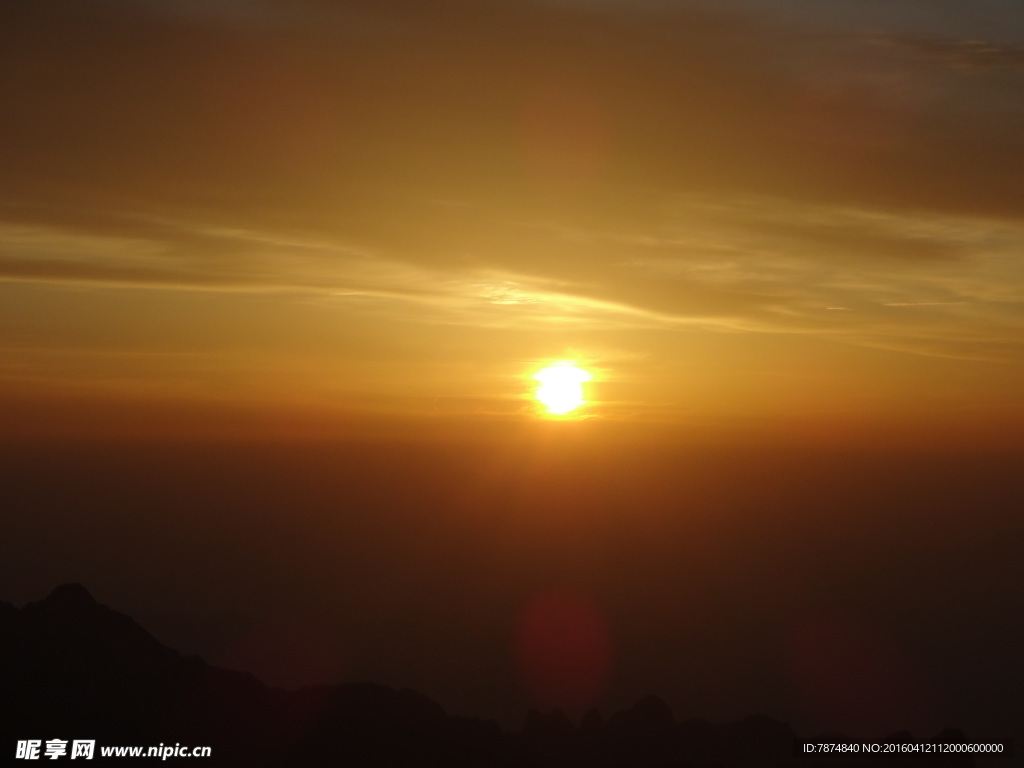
x=756 y=265
x=512 y=164
x=971 y=56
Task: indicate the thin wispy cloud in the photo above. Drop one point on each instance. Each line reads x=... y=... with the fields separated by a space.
x=568 y=171
x=965 y=55
x=760 y=265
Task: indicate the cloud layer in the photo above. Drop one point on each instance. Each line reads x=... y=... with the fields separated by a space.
x=527 y=166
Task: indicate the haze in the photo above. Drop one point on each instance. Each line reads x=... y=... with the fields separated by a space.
x=275 y=277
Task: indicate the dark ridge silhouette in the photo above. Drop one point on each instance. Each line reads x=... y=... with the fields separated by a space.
x=71 y=668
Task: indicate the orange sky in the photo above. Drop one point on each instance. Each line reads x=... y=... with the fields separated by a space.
x=356 y=210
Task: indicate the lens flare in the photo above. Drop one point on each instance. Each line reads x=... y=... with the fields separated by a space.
x=564 y=650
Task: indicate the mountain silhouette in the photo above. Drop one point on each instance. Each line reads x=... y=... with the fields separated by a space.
x=71 y=668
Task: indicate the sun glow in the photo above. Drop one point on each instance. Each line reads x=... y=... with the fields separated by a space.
x=561 y=388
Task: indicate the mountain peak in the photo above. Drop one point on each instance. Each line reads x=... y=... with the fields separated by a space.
x=73 y=594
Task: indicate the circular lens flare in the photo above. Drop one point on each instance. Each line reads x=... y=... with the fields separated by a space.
x=564 y=649
x=560 y=388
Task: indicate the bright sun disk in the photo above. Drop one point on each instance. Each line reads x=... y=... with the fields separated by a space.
x=561 y=388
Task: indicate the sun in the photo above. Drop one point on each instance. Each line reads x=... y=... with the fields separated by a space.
x=560 y=390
